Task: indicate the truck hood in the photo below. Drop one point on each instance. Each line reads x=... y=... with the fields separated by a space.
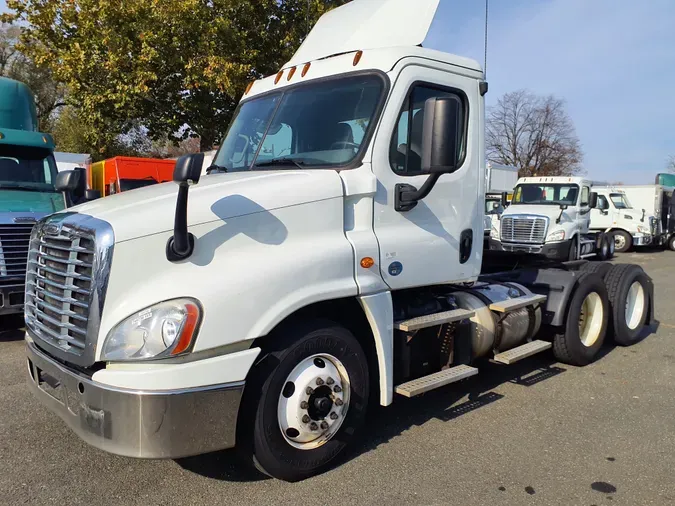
x=217 y=197
x=16 y=201
x=542 y=210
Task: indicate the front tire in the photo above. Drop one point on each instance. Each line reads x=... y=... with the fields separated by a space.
x=573 y=253
x=604 y=249
x=305 y=401
x=622 y=241
x=671 y=243
x=586 y=322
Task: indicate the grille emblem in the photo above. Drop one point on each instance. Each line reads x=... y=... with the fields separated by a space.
x=51 y=229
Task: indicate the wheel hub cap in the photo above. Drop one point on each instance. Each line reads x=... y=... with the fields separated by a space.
x=313 y=401
x=590 y=319
x=635 y=305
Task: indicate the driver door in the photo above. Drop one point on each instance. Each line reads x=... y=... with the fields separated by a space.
x=601 y=217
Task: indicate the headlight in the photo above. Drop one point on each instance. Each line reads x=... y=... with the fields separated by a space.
x=494 y=233
x=163 y=330
x=558 y=235
x=642 y=229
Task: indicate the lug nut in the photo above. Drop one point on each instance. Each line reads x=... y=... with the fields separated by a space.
x=319 y=381
x=330 y=381
x=337 y=389
x=333 y=416
x=309 y=391
x=304 y=405
x=313 y=426
x=306 y=419
x=324 y=425
x=339 y=402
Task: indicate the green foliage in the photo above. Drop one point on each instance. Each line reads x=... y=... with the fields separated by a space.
x=163 y=64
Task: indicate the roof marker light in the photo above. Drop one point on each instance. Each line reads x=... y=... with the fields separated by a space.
x=305 y=69
x=291 y=73
x=357 y=57
x=248 y=88
x=278 y=78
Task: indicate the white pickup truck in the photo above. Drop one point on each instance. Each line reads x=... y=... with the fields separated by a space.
x=331 y=261
x=550 y=216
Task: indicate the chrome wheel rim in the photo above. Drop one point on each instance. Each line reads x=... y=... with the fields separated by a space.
x=590 y=319
x=635 y=305
x=619 y=241
x=313 y=402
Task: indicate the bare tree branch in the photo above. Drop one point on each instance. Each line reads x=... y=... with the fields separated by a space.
x=533 y=133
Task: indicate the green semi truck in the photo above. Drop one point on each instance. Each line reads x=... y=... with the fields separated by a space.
x=27 y=187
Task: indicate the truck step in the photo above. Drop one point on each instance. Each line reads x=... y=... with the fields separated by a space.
x=431 y=320
x=526 y=350
x=588 y=255
x=436 y=380
x=506 y=306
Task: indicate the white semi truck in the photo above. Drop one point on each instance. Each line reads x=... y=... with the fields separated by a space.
x=551 y=217
x=334 y=262
x=629 y=226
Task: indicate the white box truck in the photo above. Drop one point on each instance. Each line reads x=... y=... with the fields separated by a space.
x=297 y=289
x=654 y=200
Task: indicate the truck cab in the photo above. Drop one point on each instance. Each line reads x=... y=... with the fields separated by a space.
x=614 y=214
x=548 y=216
x=27 y=187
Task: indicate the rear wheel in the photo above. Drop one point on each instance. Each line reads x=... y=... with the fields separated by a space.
x=601 y=268
x=586 y=322
x=622 y=241
x=628 y=290
x=671 y=243
x=603 y=250
x=305 y=401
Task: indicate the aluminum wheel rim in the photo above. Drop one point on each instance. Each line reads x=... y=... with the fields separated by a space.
x=313 y=402
x=619 y=241
x=635 y=305
x=590 y=319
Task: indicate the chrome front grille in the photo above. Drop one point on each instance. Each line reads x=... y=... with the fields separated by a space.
x=14 y=240
x=524 y=229
x=68 y=265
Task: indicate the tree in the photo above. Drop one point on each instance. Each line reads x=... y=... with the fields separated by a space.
x=178 y=67
x=533 y=133
x=49 y=95
x=670 y=167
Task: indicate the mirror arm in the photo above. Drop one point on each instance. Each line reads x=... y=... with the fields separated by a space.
x=406 y=196
x=559 y=218
x=182 y=244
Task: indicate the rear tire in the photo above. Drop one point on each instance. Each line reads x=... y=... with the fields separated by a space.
x=628 y=290
x=671 y=243
x=586 y=322
x=601 y=268
x=622 y=241
x=277 y=396
x=603 y=250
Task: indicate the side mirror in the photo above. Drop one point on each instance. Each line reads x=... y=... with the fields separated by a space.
x=593 y=201
x=505 y=200
x=442 y=135
x=67 y=181
x=495 y=205
x=92 y=194
x=188 y=168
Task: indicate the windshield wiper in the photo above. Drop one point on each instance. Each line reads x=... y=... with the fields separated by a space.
x=25 y=188
x=281 y=162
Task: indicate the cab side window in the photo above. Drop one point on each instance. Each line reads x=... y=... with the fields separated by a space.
x=405 y=152
x=603 y=203
x=585 y=196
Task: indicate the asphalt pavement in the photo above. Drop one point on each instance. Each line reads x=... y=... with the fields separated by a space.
x=537 y=432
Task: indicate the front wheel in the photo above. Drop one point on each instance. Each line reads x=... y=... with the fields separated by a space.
x=622 y=241
x=305 y=401
x=573 y=253
x=671 y=243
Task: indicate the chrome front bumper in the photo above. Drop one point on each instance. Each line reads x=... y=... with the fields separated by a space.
x=158 y=424
x=642 y=240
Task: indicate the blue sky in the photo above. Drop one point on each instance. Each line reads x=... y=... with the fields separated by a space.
x=613 y=61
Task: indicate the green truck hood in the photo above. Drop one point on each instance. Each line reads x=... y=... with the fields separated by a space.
x=35 y=202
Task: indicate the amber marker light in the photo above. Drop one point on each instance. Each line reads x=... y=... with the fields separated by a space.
x=367 y=262
x=291 y=74
x=357 y=57
x=305 y=69
x=188 y=331
x=278 y=78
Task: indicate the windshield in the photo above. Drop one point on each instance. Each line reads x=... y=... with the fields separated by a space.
x=619 y=200
x=28 y=169
x=546 y=194
x=321 y=124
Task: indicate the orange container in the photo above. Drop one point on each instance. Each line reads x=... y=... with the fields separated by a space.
x=124 y=173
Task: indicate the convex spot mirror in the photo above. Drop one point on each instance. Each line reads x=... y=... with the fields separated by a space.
x=442 y=134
